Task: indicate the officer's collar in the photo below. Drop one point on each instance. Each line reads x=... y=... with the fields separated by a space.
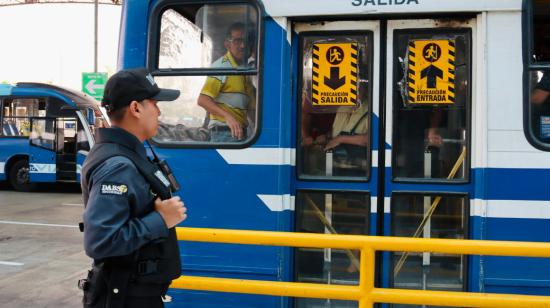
x=120 y=136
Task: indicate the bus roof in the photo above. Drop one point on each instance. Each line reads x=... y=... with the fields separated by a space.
x=80 y=100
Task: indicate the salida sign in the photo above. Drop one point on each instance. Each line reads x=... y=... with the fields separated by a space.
x=334 y=76
x=431 y=72
x=382 y=2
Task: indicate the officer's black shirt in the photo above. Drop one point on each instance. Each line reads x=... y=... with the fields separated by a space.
x=119 y=217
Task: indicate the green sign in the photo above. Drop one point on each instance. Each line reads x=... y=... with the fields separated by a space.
x=93 y=84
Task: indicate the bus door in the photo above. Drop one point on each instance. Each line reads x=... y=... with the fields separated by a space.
x=66 y=150
x=84 y=138
x=42 y=158
x=383 y=117
x=337 y=147
x=428 y=186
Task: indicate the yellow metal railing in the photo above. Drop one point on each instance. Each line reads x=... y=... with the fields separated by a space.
x=365 y=293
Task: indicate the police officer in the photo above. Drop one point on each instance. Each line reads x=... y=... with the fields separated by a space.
x=130 y=214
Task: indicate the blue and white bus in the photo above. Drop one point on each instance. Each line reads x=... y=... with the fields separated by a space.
x=45 y=133
x=379 y=117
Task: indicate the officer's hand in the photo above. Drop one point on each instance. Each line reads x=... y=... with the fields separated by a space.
x=171 y=210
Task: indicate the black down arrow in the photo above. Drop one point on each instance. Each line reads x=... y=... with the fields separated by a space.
x=334 y=82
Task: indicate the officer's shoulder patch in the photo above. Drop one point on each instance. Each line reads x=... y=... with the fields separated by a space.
x=114 y=189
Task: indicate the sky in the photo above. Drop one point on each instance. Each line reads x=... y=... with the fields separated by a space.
x=54 y=43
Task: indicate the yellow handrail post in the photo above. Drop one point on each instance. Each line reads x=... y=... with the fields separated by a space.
x=366 y=276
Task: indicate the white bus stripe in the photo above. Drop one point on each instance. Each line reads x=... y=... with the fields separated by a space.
x=260 y=156
x=278 y=203
x=522 y=209
x=518 y=209
x=42 y=168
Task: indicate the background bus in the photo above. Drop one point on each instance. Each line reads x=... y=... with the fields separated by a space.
x=391 y=118
x=46 y=133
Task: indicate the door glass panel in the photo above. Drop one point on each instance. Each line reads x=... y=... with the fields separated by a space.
x=43 y=133
x=66 y=135
x=431 y=105
x=429 y=216
x=82 y=142
x=331 y=213
x=335 y=105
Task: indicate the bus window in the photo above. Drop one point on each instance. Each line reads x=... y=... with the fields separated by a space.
x=332 y=213
x=430 y=131
x=211 y=53
x=540 y=36
x=538 y=77
x=17 y=113
x=429 y=216
x=335 y=137
x=540 y=104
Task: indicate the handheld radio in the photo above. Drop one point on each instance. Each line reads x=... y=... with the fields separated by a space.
x=165 y=169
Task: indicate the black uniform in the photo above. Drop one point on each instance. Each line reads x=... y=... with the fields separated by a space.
x=131 y=246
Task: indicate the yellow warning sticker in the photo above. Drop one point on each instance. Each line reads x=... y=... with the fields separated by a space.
x=431 y=72
x=334 y=77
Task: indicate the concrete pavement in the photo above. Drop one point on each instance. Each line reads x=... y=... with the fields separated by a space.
x=41 y=252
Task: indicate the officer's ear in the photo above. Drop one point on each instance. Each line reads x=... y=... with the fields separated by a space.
x=134 y=109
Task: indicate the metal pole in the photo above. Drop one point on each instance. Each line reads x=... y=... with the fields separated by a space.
x=427 y=227
x=95 y=34
x=327 y=265
x=366 y=277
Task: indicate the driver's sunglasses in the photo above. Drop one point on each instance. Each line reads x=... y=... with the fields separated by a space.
x=237 y=41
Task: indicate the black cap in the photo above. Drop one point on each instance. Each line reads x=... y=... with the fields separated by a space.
x=134 y=84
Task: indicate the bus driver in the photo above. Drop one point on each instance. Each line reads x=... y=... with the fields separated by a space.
x=229 y=99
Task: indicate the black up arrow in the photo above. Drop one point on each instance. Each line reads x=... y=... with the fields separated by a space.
x=335 y=81
x=432 y=72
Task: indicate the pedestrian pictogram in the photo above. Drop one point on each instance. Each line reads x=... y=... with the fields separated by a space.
x=431 y=52
x=431 y=72
x=335 y=55
x=334 y=81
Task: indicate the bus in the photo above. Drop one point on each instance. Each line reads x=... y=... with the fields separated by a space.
x=46 y=132
x=413 y=118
